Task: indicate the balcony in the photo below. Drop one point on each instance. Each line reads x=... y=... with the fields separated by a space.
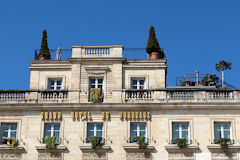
x=165 y=95
x=135 y=95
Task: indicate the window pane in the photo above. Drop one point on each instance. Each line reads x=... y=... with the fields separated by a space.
x=184 y=126
x=217 y=131
x=226 y=127
x=4 y=130
x=13 y=134
x=56 y=126
x=100 y=81
x=51 y=83
x=141 y=82
x=142 y=133
x=133 y=130
x=59 y=82
x=99 y=126
x=90 y=130
x=134 y=82
x=4 y=126
x=92 y=81
x=185 y=134
x=175 y=131
x=100 y=86
x=142 y=126
x=99 y=133
x=92 y=86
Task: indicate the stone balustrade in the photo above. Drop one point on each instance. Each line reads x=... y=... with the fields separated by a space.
x=12 y=95
x=128 y=96
x=139 y=95
x=97 y=51
x=54 y=95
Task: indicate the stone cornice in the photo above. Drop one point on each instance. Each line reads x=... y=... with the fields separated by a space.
x=119 y=106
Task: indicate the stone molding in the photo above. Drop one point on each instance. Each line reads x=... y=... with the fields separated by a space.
x=135 y=148
x=217 y=147
x=175 y=148
x=9 y=148
x=88 y=148
x=59 y=148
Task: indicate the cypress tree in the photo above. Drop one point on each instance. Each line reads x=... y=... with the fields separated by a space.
x=153 y=45
x=44 y=50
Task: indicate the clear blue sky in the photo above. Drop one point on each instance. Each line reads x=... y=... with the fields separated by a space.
x=195 y=33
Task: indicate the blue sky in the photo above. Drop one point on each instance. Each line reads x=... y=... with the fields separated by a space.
x=196 y=34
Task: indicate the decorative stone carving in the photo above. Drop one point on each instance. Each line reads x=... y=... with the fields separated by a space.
x=50 y=156
x=181 y=156
x=10 y=156
x=224 y=156
x=94 y=155
x=138 y=156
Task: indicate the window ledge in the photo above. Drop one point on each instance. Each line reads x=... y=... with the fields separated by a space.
x=88 y=147
x=9 y=147
x=135 y=147
x=217 y=147
x=174 y=147
x=59 y=148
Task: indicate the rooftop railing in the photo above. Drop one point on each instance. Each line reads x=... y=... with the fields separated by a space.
x=95 y=51
x=167 y=95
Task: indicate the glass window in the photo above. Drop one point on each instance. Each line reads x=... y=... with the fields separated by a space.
x=52 y=129
x=94 y=129
x=222 y=130
x=180 y=130
x=9 y=130
x=55 y=84
x=138 y=129
x=138 y=83
x=96 y=83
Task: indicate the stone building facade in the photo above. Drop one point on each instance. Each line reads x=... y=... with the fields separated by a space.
x=134 y=102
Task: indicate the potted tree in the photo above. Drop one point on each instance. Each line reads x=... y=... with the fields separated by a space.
x=44 y=53
x=50 y=142
x=221 y=66
x=153 y=47
x=140 y=141
x=210 y=80
x=96 y=141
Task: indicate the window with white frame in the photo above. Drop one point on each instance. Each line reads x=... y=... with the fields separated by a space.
x=96 y=83
x=52 y=129
x=138 y=83
x=138 y=129
x=94 y=129
x=8 y=130
x=222 y=130
x=180 y=130
x=54 y=84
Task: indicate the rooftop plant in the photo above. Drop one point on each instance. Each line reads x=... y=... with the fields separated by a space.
x=211 y=77
x=44 y=50
x=153 y=45
x=222 y=66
